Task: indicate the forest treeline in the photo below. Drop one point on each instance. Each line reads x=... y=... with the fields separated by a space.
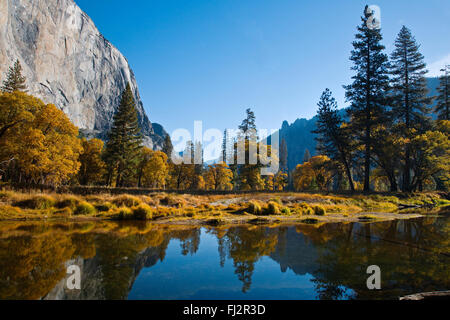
x=388 y=141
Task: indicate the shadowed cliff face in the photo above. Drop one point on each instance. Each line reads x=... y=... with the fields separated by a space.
x=68 y=62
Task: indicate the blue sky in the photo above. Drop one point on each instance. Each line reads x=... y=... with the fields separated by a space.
x=211 y=59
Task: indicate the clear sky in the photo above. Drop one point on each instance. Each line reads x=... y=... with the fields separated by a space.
x=211 y=59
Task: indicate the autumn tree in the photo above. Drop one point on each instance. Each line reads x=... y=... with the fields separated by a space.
x=92 y=168
x=123 y=148
x=443 y=98
x=41 y=141
x=318 y=170
x=333 y=136
x=430 y=156
x=218 y=177
x=15 y=81
x=153 y=169
x=410 y=100
x=280 y=181
x=367 y=93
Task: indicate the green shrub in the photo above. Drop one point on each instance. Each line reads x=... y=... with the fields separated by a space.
x=142 y=212
x=37 y=202
x=127 y=201
x=84 y=208
x=303 y=209
x=286 y=211
x=273 y=208
x=319 y=211
x=254 y=208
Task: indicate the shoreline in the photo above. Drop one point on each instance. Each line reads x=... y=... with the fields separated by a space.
x=214 y=210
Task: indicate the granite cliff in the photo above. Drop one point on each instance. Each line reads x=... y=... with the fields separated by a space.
x=68 y=62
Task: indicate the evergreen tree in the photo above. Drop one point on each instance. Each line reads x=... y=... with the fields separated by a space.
x=333 y=139
x=410 y=100
x=14 y=79
x=248 y=126
x=283 y=156
x=443 y=99
x=367 y=93
x=123 y=149
x=306 y=156
x=225 y=146
x=167 y=147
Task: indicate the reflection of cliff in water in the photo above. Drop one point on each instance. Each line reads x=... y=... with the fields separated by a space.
x=412 y=254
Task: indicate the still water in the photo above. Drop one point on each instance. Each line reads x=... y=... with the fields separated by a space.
x=146 y=261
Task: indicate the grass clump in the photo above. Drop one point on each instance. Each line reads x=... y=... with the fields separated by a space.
x=39 y=202
x=142 y=212
x=319 y=211
x=104 y=207
x=286 y=211
x=68 y=202
x=254 y=208
x=273 y=208
x=84 y=208
x=303 y=209
x=127 y=201
x=125 y=213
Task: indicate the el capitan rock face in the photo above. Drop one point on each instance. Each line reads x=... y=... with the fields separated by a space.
x=68 y=62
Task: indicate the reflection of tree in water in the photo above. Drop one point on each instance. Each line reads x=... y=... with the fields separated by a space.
x=410 y=253
x=189 y=238
x=245 y=246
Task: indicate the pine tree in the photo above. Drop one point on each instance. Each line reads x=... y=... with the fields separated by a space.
x=333 y=139
x=367 y=93
x=248 y=126
x=225 y=146
x=410 y=100
x=123 y=148
x=443 y=99
x=283 y=156
x=14 y=79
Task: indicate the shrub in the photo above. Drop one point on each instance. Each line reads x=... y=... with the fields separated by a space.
x=277 y=200
x=125 y=213
x=68 y=202
x=66 y=212
x=40 y=202
x=273 y=208
x=142 y=212
x=319 y=211
x=254 y=208
x=286 y=211
x=104 y=207
x=127 y=201
x=84 y=208
x=303 y=209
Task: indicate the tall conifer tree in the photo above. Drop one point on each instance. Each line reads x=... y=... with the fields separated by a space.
x=333 y=139
x=443 y=98
x=367 y=93
x=410 y=101
x=124 y=141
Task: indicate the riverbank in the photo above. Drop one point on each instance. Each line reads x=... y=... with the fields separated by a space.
x=257 y=208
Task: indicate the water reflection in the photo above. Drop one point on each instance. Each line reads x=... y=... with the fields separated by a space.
x=141 y=260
